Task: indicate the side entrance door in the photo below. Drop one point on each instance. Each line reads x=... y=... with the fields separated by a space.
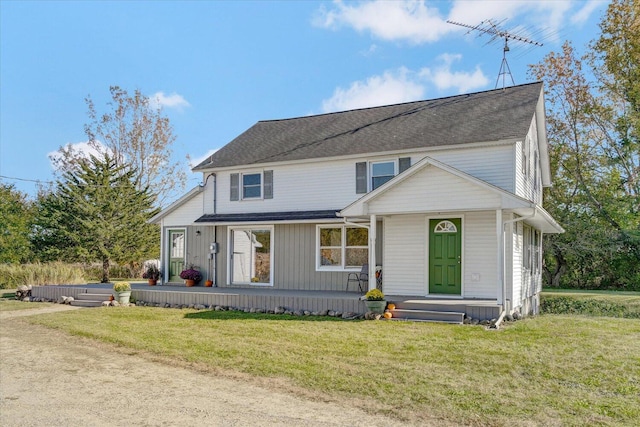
x=176 y=254
x=445 y=256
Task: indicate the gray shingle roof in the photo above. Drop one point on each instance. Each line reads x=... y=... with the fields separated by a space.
x=477 y=117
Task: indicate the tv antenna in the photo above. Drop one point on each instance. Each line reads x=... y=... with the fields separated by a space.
x=492 y=29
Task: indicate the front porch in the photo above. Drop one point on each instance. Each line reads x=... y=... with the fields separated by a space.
x=407 y=307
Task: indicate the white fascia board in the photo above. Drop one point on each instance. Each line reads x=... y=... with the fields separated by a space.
x=543 y=143
x=283 y=222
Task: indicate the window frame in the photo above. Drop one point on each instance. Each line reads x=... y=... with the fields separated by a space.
x=379 y=162
x=230 y=249
x=343 y=248
x=260 y=185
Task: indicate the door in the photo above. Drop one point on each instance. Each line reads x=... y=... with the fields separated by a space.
x=176 y=254
x=445 y=256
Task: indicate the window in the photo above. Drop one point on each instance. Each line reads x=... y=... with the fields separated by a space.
x=342 y=247
x=251 y=186
x=250 y=256
x=382 y=172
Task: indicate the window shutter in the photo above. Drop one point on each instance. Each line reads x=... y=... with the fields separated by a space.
x=361 y=177
x=235 y=187
x=268 y=184
x=404 y=163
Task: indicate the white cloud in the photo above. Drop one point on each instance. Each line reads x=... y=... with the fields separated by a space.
x=195 y=161
x=388 y=20
x=77 y=150
x=583 y=14
x=404 y=85
x=443 y=78
x=423 y=22
x=160 y=100
x=389 y=88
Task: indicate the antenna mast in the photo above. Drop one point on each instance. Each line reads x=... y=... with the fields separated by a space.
x=492 y=29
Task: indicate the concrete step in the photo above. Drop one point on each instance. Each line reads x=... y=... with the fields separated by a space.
x=94 y=296
x=86 y=303
x=428 y=315
x=430 y=306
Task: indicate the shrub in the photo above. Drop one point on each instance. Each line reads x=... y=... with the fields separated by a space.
x=552 y=304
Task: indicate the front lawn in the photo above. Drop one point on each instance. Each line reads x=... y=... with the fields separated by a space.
x=549 y=370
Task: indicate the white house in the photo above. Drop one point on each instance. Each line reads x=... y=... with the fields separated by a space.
x=444 y=196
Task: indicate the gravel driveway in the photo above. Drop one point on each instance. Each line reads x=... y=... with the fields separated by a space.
x=48 y=378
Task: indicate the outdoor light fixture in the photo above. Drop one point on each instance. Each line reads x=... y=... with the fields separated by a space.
x=198 y=233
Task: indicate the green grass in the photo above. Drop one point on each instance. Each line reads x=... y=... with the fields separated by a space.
x=548 y=370
x=591 y=303
x=8 y=302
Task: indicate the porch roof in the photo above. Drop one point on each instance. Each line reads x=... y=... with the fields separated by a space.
x=269 y=216
x=443 y=188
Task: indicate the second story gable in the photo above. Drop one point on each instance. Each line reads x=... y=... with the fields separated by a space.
x=329 y=161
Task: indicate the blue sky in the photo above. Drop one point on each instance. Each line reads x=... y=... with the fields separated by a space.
x=217 y=67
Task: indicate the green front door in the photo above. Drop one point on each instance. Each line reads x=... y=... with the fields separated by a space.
x=176 y=254
x=445 y=256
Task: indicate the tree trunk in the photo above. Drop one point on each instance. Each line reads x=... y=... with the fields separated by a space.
x=105 y=270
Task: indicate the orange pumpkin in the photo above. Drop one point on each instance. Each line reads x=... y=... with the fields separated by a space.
x=391 y=306
x=388 y=315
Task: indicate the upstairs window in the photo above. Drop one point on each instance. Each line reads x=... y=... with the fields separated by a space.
x=382 y=172
x=251 y=186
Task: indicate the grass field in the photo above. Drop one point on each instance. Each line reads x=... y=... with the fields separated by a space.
x=548 y=370
x=593 y=303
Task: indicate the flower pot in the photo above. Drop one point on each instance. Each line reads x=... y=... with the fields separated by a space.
x=376 y=306
x=152 y=282
x=208 y=283
x=189 y=282
x=123 y=297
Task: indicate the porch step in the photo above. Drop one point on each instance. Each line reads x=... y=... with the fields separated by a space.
x=86 y=303
x=428 y=315
x=93 y=299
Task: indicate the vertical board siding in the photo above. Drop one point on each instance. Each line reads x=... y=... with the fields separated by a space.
x=480 y=255
x=404 y=255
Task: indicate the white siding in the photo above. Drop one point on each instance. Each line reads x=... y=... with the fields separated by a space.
x=433 y=189
x=527 y=168
x=404 y=255
x=480 y=275
x=330 y=184
x=517 y=263
x=185 y=214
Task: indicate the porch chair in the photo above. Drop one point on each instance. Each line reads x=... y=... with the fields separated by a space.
x=362 y=278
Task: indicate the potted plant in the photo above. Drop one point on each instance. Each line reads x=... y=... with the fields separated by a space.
x=375 y=302
x=123 y=292
x=191 y=276
x=152 y=274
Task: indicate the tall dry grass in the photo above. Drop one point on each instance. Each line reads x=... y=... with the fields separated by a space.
x=54 y=273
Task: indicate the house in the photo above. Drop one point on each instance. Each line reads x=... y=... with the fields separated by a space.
x=443 y=196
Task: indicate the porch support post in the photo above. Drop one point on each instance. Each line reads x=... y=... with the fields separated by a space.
x=372 y=252
x=501 y=255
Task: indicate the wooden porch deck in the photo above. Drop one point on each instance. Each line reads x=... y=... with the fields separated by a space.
x=268 y=298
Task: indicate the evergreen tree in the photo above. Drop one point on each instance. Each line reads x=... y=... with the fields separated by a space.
x=16 y=215
x=96 y=213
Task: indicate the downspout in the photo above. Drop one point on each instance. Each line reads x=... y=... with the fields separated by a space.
x=213 y=254
x=504 y=264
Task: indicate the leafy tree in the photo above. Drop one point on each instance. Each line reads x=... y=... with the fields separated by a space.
x=593 y=125
x=16 y=215
x=135 y=133
x=97 y=213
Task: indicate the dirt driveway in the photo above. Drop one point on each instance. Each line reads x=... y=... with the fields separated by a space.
x=48 y=378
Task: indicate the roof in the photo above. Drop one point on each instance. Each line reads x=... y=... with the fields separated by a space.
x=270 y=216
x=494 y=115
